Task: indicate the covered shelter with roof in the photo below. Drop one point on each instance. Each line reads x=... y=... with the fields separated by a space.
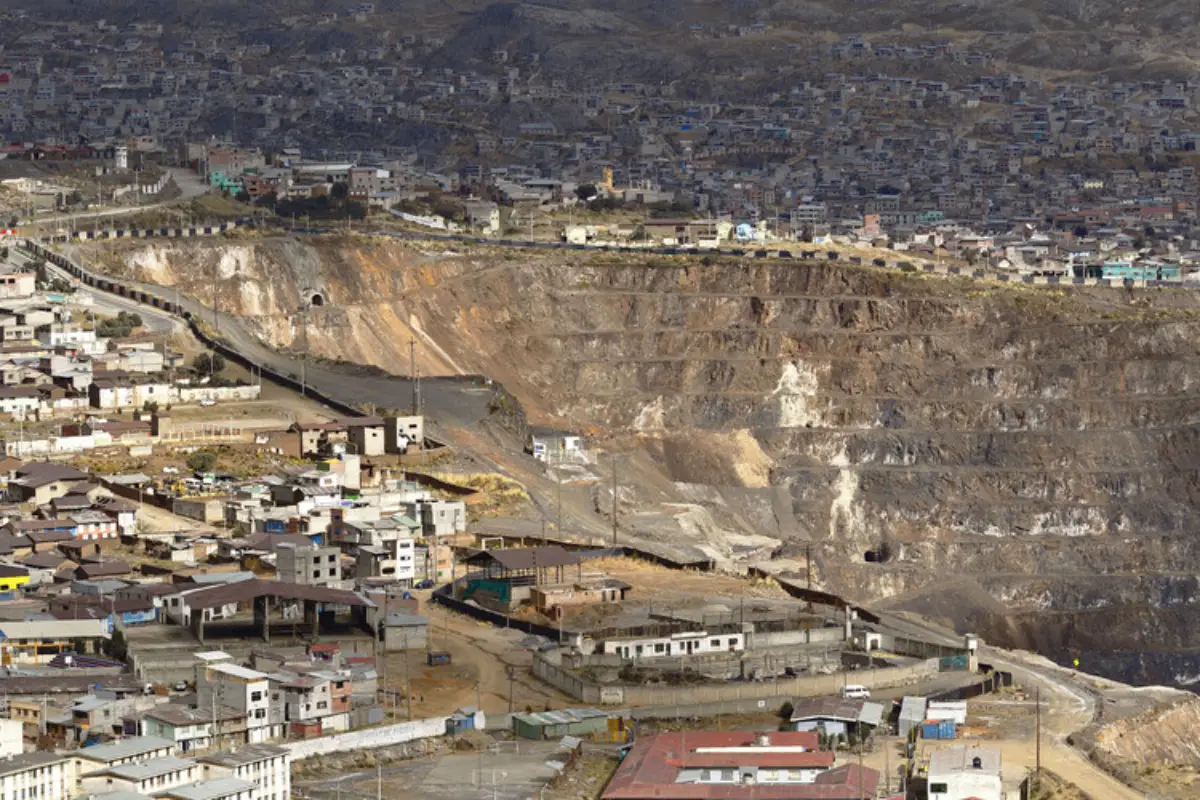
x=505 y=578
x=265 y=596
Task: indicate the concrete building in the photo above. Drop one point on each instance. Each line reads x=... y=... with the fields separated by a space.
x=678 y=644
x=36 y=776
x=965 y=772
x=215 y=789
x=39 y=642
x=366 y=434
x=309 y=566
x=244 y=690
x=265 y=765
x=404 y=632
x=12 y=732
x=115 y=753
x=400 y=432
x=142 y=777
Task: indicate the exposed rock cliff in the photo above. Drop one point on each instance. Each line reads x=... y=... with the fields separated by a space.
x=1038 y=446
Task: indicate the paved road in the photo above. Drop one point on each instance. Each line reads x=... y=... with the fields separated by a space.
x=154 y=320
x=460 y=401
x=189 y=183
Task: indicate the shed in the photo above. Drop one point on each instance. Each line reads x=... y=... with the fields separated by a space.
x=582 y=722
x=834 y=716
x=464 y=719
x=912 y=714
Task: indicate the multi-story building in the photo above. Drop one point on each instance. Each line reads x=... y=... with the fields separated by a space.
x=246 y=691
x=36 y=776
x=141 y=777
x=114 y=754
x=267 y=766
x=309 y=566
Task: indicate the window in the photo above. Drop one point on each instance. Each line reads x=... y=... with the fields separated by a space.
x=715 y=643
x=256 y=696
x=260 y=713
x=733 y=641
x=938 y=788
x=322 y=705
x=332 y=558
x=660 y=647
x=316 y=573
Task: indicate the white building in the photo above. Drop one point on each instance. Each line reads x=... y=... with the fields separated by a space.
x=266 y=765
x=36 y=776
x=965 y=772
x=215 y=789
x=12 y=742
x=245 y=690
x=675 y=645
x=142 y=777
x=111 y=754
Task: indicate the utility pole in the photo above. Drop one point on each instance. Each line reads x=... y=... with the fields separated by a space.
x=511 y=674
x=861 y=794
x=558 y=499
x=614 y=502
x=1037 y=770
x=216 y=321
x=407 y=687
x=887 y=769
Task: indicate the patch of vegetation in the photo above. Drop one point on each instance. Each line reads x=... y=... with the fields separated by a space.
x=118 y=327
x=202 y=461
x=208 y=363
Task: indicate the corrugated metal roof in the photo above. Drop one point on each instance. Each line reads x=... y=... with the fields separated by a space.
x=562 y=716
x=526 y=557
x=53 y=629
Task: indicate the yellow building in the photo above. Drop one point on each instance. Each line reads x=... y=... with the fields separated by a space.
x=12 y=578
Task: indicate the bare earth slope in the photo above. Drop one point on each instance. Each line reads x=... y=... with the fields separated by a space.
x=1040 y=448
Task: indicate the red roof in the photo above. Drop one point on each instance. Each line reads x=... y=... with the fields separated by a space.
x=652 y=767
x=810 y=759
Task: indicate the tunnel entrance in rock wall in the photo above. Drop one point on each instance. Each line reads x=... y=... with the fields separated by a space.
x=879 y=555
x=317 y=300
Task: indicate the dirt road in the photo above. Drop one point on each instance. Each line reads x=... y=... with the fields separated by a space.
x=1066 y=708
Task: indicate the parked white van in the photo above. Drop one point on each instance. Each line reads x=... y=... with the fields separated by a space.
x=855 y=691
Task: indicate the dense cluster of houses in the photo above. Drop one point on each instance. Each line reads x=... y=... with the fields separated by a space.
x=874 y=132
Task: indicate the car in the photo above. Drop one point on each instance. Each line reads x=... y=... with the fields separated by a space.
x=425 y=584
x=856 y=691
x=207 y=402
x=181 y=686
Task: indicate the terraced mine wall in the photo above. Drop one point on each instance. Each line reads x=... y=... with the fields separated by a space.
x=1021 y=461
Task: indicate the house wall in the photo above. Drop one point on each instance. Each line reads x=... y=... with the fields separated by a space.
x=807 y=686
x=676 y=646
x=49 y=782
x=412 y=637
x=961 y=785
x=273 y=775
x=369 y=738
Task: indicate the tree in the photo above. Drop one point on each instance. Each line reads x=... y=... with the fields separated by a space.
x=208 y=363
x=585 y=192
x=202 y=461
x=340 y=191
x=1081 y=231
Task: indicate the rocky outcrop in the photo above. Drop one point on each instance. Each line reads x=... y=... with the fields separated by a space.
x=1041 y=447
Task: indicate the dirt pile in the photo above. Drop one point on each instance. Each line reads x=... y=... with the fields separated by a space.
x=1156 y=751
x=1036 y=444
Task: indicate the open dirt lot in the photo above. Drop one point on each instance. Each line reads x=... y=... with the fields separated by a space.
x=481 y=657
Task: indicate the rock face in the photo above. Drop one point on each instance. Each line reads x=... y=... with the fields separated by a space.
x=1022 y=462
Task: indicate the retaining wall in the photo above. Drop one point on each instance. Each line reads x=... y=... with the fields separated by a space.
x=800 y=686
x=369 y=738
